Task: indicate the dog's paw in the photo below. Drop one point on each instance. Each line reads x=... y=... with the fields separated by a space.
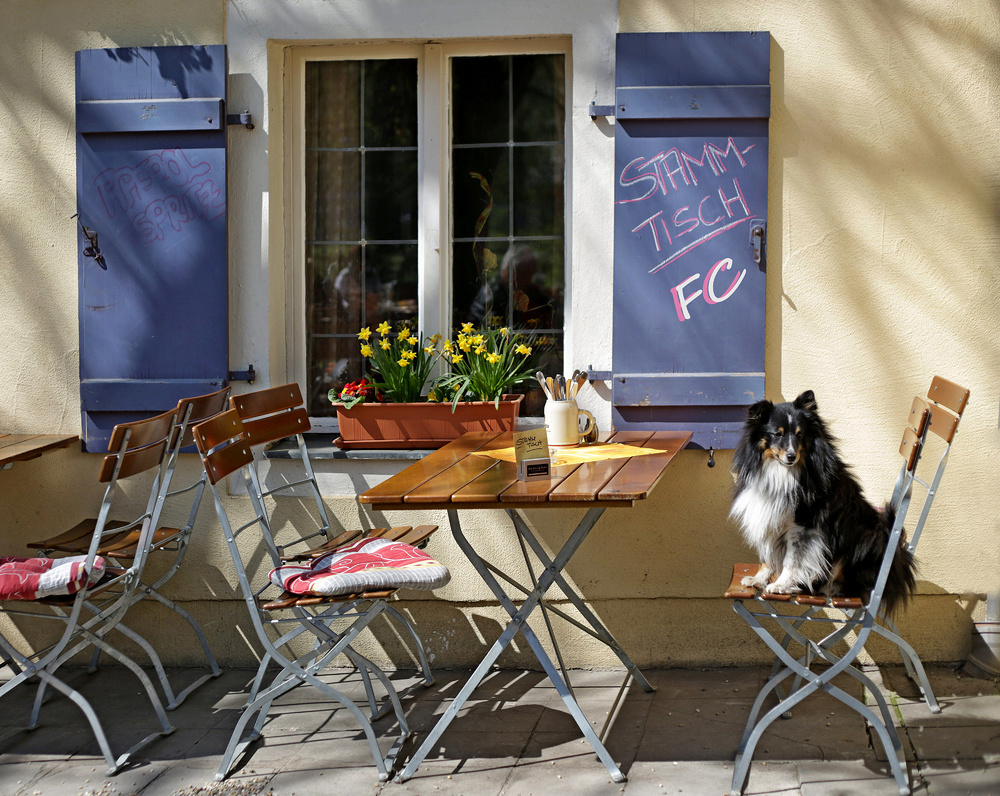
x=782 y=587
x=753 y=580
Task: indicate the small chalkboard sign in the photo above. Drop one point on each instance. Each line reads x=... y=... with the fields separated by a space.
x=691 y=158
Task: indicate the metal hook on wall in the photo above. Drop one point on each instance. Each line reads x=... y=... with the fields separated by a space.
x=711 y=457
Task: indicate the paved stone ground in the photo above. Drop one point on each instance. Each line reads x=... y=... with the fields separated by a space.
x=513 y=738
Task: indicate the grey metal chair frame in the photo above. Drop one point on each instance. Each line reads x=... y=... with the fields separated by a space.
x=946 y=403
x=280 y=411
x=138 y=448
x=120 y=547
x=851 y=616
x=225 y=450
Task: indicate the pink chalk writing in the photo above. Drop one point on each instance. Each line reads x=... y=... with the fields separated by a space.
x=682 y=299
x=161 y=194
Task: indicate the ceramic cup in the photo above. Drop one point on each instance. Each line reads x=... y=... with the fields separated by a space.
x=563 y=421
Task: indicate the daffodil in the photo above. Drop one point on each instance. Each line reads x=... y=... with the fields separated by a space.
x=505 y=331
x=480 y=349
x=409 y=356
x=478 y=339
x=404 y=333
x=429 y=350
x=456 y=358
x=384 y=344
x=523 y=349
x=365 y=333
x=466 y=328
x=465 y=344
x=367 y=350
x=403 y=362
x=493 y=358
x=448 y=346
x=435 y=339
x=383 y=328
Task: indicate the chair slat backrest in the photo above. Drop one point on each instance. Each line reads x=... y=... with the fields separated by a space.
x=147 y=442
x=949 y=394
x=191 y=411
x=271 y=428
x=269 y=415
x=223 y=445
x=267 y=401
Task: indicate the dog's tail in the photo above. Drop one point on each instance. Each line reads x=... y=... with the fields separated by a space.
x=902 y=581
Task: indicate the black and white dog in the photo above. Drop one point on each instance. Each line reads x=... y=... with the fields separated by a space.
x=801 y=508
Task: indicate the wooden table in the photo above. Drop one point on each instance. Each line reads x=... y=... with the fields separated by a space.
x=21 y=447
x=456 y=477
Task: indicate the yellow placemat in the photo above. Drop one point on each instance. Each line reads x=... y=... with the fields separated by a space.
x=580 y=454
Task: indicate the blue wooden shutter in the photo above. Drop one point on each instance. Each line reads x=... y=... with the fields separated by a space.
x=691 y=120
x=151 y=198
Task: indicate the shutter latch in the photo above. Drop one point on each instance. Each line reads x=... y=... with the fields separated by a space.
x=93 y=250
x=758 y=228
x=241 y=118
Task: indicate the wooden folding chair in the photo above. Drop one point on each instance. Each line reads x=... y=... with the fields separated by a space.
x=273 y=414
x=35 y=589
x=860 y=615
x=121 y=547
x=225 y=449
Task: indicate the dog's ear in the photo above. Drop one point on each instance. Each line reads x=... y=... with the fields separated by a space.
x=759 y=411
x=806 y=401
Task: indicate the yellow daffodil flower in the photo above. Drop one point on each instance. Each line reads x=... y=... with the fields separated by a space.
x=383 y=328
x=466 y=327
x=493 y=358
x=429 y=349
x=435 y=339
x=505 y=331
x=365 y=333
x=404 y=334
x=522 y=349
x=409 y=356
x=384 y=344
x=465 y=344
x=481 y=349
x=478 y=339
x=448 y=347
x=367 y=350
x=403 y=362
x=456 y=358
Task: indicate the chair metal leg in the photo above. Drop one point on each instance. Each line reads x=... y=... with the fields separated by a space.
x=911 y=661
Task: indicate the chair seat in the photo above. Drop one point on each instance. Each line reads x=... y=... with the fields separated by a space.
x=77 y=538
x=737 y=591
x=36 y=578
x=368 y=565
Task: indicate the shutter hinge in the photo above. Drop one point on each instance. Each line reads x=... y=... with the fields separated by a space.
x=601 y=110
x=243 y=375
x=241 y=118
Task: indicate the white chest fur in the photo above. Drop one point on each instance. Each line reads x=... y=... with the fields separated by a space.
x=765 y=508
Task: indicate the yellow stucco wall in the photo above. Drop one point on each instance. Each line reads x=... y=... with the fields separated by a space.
x=883 y=251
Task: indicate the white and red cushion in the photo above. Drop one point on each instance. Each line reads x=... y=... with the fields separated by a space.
x=34 y=578
x=368 y=565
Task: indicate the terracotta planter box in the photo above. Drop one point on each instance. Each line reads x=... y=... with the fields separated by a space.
x=421 y=425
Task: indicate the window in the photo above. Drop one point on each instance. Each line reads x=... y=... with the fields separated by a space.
x=398 y=227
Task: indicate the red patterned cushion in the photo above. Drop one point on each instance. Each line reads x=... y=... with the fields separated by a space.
x=367 y=565
x=34 y=578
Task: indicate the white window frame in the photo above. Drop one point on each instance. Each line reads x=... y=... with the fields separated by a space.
x=433 y=173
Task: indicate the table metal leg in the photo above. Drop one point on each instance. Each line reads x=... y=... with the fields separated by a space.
x=600 y=631
x=517 y=623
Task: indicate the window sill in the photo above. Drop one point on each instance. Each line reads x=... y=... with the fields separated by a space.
x=320 y=447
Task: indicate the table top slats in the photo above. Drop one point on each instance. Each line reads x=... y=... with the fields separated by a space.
x=641 y=473
x=21 y=447
x=394 y=489
x=453 y=478
x=442 y=486
x=538 y=491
